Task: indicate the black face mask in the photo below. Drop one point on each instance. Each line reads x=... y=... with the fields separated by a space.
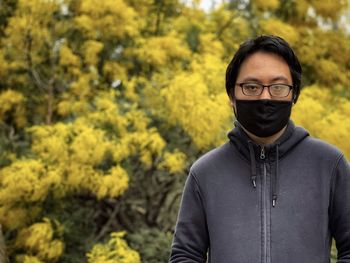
x=263 y=118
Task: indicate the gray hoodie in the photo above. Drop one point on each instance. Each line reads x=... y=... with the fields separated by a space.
x=282 y=203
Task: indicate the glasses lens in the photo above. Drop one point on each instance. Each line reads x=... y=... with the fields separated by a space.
x=279 y=90
x=251 y=89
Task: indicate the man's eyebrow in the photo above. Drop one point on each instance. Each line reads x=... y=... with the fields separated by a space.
x=278 y=78
x=254 y=79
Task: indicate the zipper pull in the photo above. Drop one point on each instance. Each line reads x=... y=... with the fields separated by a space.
x=254 y=181
x=262 y=153
x=274 y=198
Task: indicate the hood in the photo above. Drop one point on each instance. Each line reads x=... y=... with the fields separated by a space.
x=292 y=136
x=274 y=152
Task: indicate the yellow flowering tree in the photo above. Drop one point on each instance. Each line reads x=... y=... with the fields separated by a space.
x=104 y=105
x=40 y=242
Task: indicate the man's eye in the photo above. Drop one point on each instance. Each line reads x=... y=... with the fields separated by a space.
x=278 y=87
x=251 y=87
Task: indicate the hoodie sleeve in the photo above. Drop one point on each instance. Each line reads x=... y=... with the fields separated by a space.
x=191 y=241
x=340 y=215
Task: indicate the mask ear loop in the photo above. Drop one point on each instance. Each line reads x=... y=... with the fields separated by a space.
x=295 y=101
x=234 y=111
x=232 y=98
x=294 y=96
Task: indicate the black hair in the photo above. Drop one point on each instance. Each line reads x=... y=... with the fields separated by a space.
x=271 y=44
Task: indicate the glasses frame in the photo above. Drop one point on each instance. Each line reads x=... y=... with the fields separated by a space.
x=263 y=87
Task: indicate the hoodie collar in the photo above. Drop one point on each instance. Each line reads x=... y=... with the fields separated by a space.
x=273 y=153
x=288 y=140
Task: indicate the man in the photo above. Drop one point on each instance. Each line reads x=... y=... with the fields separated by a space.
x=272 y=193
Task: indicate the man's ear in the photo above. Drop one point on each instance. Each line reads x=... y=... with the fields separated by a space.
x=232 y=100
x=294 y=98
x=233 y=104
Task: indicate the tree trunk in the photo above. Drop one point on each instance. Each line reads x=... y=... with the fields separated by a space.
x=3 y=256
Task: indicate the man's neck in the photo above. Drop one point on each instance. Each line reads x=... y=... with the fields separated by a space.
x=263 y=141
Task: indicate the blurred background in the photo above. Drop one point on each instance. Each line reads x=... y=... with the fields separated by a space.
x=104 y=105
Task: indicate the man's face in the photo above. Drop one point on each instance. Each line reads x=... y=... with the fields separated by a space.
x=263 y=68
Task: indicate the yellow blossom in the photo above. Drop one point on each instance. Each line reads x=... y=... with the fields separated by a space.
x=3 y=65
x=329 y=9
x=114 y=71
x=14 y=217
x=82 y=177
x=89 y=145
x=30 y=259
x=211 y=46
x=160 y=51
x=174 y=162
x=50 y=142
x=24 y=181
x=39 y=239
x=12 y=104
x=211 y=68
x=68 y=58
x=319 y=112
x=115 y=250
x=107 y=113
x=113 y=184
x=329 y=72
x=91 y=50
x=266 y=5
x=109 y=18
x=275 y=26
x=191 y=109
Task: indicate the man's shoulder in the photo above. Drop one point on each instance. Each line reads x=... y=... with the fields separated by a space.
x=213 y=159
x=321 y=147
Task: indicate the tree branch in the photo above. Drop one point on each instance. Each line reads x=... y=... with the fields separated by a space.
x=34 y=74
x=226 y=25
x=110 y=221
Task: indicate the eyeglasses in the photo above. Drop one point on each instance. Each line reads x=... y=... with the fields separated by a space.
x=256 y=89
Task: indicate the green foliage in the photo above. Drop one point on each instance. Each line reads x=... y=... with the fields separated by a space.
x=78 y=216
x=6 y=10
x=158 y=243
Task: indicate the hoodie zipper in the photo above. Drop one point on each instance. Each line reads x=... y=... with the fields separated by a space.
x=262 y=157
x=262 y=153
